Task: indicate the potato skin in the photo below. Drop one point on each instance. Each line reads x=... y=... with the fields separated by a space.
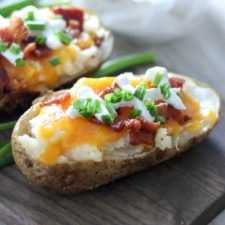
x=76 y=177
x=22 y=99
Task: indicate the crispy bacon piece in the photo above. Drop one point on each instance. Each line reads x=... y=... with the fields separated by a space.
x=141 y=137
x=4 y=80
x=56 y=98
x=71 y=14
x=168 y=111
x=176 y=82
x=41 y=51
x=106 y=91
x=29 y=49
x=15 y=32
x=141 y=131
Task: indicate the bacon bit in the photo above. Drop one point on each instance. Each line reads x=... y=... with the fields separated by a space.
x=4 y=80
x=149 y=126
x=74 y=24
x=29 y=48
x=168 y=111
x=106 y=91
x=176 y=82
x=98 y=41
x=41 y=51
x=141 y=137
x=57 y=98
x=71 y=14
x=178 y=115
x=15 y=32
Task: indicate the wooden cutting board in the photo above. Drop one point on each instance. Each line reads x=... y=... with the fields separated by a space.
x=189 y=189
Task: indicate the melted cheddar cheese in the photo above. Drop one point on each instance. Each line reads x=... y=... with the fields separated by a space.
x=64 y=134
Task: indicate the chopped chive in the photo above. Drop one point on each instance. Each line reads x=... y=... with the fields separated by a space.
x=165 y=90
x=157 y=78
x=3 y=47
x=15 y=49
x=111 y=110
x=40 y=40
x=108 y=97
x=127 y=95
x=30 y=16
x=143 y=84
x=20 y=62
x=108 y=119
x=117 y=96
x=153 y=110
x=54 y=61
x=63 y=37
x=135 y=112
x=35 y=25
x=160 y=119
x=140 y=93
x=87 y=107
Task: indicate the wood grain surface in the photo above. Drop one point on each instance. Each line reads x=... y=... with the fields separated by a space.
x=189 y=189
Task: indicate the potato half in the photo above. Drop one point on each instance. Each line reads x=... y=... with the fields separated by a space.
x=77 y=176
x=91 y=44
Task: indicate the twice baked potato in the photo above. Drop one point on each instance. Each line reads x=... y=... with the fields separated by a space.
x=103 y=129
x=43 y=49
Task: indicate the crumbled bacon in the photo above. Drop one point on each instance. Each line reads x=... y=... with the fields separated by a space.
x=106 y=91
x=176 y=82
x=4 y=80
x=141 y=137
x=71 y=14
x=41 y=51
x=168 y=111
x=15 y=32
x=29 y=48
x=56 y=98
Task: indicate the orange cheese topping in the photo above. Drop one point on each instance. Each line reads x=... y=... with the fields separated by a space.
x=70 y=133
x=40 y=72
x=77 y=131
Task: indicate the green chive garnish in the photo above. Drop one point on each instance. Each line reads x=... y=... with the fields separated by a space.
x=20 y=62
x=87 y=107
x=54 y=61
x=157 y=78
x=165 y=90
x=15 y=49
x=63 y=37
x=153 y=110
x=30 y=16
x=135 y=112
x=108 y=97
x=117 y=96
x=108 y=119
x=35 y=25
x=40 y=40
x=127 y=95
x=111 y=110
x=140 y=92
x=3 y=47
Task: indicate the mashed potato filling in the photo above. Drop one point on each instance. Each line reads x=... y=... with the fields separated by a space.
x=56 y=136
